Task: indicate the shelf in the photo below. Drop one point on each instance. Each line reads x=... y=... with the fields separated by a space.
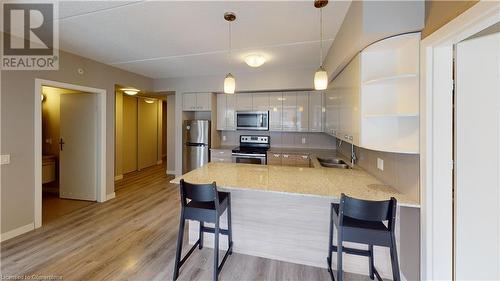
x=391 y=115
x=390 y=78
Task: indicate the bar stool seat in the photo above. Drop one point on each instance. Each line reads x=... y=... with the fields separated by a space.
x=362 y=221
x=206 y=204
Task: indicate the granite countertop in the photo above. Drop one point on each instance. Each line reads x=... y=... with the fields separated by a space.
x=315 y=181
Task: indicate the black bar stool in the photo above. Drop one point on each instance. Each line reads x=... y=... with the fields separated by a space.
x=362 y=221
x=206 y=205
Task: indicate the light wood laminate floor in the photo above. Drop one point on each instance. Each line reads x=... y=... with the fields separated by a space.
x=132 y=237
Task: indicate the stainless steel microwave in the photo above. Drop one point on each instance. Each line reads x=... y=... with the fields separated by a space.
x=252 y=120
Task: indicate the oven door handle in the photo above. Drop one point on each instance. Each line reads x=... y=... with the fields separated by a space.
x=235 y=155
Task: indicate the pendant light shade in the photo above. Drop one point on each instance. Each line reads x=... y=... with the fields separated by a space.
x=229 y=84
x=229 y=81
x=320 y=79
x=321 y=76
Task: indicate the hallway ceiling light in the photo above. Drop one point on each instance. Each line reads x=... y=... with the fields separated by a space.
x=149 y=101
x=131 y=92
x=229 y=81
x=255 y=60
x=321 y=76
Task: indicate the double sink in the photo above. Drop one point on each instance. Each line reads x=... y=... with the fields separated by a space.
x=333 y=163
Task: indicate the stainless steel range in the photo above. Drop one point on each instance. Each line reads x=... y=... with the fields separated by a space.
x=252 y=150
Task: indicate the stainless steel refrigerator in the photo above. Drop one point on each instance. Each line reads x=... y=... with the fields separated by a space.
x=196 y=139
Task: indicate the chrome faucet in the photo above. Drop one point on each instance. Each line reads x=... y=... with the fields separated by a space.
x=353 y=153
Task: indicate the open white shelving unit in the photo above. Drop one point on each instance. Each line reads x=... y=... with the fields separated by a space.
x=389 y=95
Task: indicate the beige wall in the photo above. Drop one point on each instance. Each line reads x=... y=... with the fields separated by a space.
x=129 y=140
x=439 y=13
x=147 y=133
x=164 y=123
x=118 y=132
x=17 y=127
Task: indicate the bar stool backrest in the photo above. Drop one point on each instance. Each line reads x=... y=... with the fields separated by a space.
x=198 y=193
x=366 y=210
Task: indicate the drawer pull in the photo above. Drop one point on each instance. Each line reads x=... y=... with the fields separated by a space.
x=304 y=157
x=285 y=155
x=276 y=155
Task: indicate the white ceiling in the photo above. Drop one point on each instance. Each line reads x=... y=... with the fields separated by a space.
x=162 y=39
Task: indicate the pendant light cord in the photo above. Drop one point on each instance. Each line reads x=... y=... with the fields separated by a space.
x=229 y=56
x=321 y=36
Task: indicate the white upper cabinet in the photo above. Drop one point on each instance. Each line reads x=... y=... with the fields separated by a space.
x=197 y=102
x=260 y=102
x=289 y=115
x=230 y=112
x=221 y=112
x=225 y=112
x=390 y=94
x=316 y=111
x=244 y=102
x=374 y=102
x=275 y=111
x=189 y=102
x=302 y=111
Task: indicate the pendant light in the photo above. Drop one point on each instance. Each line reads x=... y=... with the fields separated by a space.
x=320 y=77
x=229 y=81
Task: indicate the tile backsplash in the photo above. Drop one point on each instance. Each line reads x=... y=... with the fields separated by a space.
x=283 y=139
x=401 y=171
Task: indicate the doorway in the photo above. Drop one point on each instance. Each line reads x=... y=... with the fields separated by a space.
x=69 y=148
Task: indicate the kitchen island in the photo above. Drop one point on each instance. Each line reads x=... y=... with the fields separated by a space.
x=283 y=212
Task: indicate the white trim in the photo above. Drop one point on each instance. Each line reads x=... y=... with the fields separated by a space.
x=170 y=172
x=110 y=196
x=16 y=232
x=118 y=177
x=436 y=136
x=101 y=169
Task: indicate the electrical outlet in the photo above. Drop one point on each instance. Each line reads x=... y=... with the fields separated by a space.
x=380 y=164
x=5 y=159
x=223 y=138
x=303 y=140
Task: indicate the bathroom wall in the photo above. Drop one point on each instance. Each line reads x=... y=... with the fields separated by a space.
x=283 y=139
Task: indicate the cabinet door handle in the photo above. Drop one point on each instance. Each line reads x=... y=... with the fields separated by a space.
x=276 y=155
x=285 y=155
x=304 y=157
x=350 y=137
x=346 y=137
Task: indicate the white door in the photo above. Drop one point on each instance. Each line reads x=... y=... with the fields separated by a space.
x=477 y=174
x=78 y=147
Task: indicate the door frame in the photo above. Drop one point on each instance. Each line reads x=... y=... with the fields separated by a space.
x=101 y=141
x=436 y=137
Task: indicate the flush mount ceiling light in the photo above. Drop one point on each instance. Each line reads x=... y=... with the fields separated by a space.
x=149 y=101
x=229 y=81
x=321 y=76
x=255 y=60
x=131 y=92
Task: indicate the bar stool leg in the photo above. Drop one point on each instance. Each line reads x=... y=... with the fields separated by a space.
x=372 y=264
x=330 y=241
x=394 y=260
x=178 y=252
x=339 y=256
x=200 y=246
x=216 y=250
x=229 y=226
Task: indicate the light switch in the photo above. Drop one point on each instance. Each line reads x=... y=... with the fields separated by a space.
x=223 y=138
x=380 y=164
x=303 y=140
x=5 y=159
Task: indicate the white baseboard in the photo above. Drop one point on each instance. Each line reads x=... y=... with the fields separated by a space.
x=159 y=162
x=16 y=232
x=118 y=177
x=170 y=172
x=110 y=196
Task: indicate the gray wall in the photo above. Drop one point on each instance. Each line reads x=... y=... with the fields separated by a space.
x=284 y=139
x=17 y=128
